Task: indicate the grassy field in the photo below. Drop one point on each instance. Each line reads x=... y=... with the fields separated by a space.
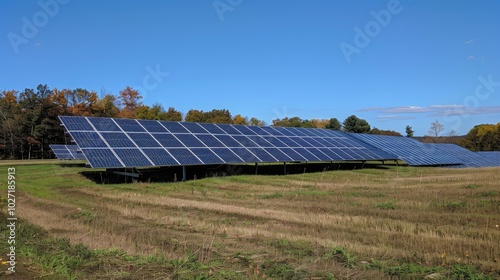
x=386 y=223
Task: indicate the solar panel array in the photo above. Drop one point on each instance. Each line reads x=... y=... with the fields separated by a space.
x=67 y=151
x=466 y=157
x=417 y=153
x=493 y=156
x=116 y=143
x=410 y=150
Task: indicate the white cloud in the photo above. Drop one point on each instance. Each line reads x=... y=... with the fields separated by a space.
x=437 y=110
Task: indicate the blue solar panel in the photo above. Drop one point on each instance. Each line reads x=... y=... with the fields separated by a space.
x=130 y=125
x=341 y=153
x=88 y=139
x=279 y=155
x=73 y=123
x=117 y=139
x=289 y=141
x=228 y=141
x=313 y=142
x=332 y=155
x=262 y=154
x=306 y=154
x=207 y=156
x=410 y=150
x=261 y=142
x=258 y=130
x=229 y=129
x=244 y=129
x=189 y=140
x=301 y=142
x=227 y=155
x=275 y=141
x=318 y=154
x=283 y=130
x=174 y=127
x=102 y=158
x=245 y=154
x=144 y=140
x=167 y=140
x=467 y=158
x=296 y=131
x=245 y=141
x=67 y=151
x=212 y=128
x=184 y=156
x=293 y=154
x=153 y=126
x=132 y=157
x=272 y=131
x=154 y=143
x=209 y=140
x=104 y=124
x=160 y=157
x=493 y=156
x=194 y=127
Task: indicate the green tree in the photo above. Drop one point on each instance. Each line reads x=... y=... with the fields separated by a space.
x=356 y=125
x=219 y=116
x=384 y=132
x=257 y=122
x=409 y=131
x=334 y=124
x=195 y=116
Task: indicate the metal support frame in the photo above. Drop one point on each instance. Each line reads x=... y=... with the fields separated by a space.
x=184 y=176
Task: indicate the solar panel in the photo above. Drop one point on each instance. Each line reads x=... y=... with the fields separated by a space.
x=493 y=156
x=67 y=151
x=115 y=143
x=467 y=158
x=410 y=150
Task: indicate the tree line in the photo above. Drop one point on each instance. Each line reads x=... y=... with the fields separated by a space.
x=29 y=119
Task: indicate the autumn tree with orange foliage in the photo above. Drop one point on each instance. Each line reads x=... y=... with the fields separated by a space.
x=130 y=100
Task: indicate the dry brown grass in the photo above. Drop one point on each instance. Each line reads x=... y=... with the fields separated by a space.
x=426 y=216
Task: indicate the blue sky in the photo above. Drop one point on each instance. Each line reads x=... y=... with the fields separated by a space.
x=393 y=63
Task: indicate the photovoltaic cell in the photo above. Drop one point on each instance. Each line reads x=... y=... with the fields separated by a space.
x=212 y=128
x=189 y=140
x=144 y=140
x=209 y=140
x=67 y=151
x=228 y=141
x=206 y=155
x=102 y=158
x=160 y=157
x=104 y=124
x=167 y=140
x=194 y=127
x=174 y=127
x=184 y=156
x=132 y=157
x=228 y=129
x=153 y=126
x=117 y=139
x=227 y=155
x=88 y=139
x=129 y=125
